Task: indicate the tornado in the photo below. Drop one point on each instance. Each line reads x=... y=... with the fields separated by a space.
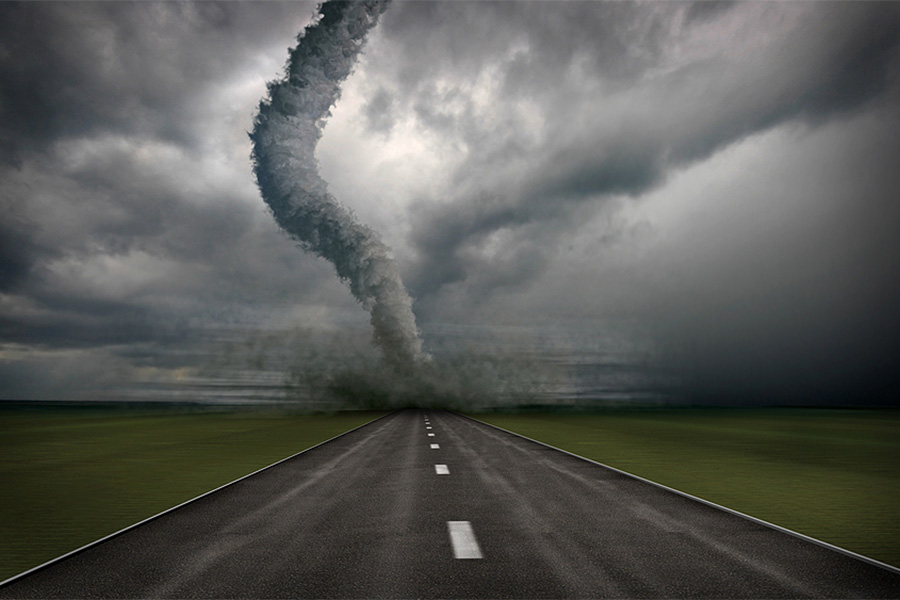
x=286 y=131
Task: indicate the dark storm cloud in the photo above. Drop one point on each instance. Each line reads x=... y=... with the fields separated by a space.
x=83 y=322
x=124 y=218
x=379 y=111
x=777 y=282
x=569 y=111
x=533 y=38
x=19 y=249
x=193 y=263
x=835 y=60
x=132 y=208
x=73 y=68
x=705 y=10
x=526 y=160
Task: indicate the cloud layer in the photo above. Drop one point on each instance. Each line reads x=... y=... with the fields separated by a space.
x=716 y=181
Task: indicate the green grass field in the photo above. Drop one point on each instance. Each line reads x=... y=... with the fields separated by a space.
x=68 y=477
x=71 y=476
x=831 y=474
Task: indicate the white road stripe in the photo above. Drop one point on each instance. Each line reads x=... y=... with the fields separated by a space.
x=463 y=539
x=430 y=435
x=435 y=446
x=441 y=469
x=429 y=427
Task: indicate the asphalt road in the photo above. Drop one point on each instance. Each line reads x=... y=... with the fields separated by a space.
x=370 y=515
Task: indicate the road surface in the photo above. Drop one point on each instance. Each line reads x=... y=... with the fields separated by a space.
x=432 y=504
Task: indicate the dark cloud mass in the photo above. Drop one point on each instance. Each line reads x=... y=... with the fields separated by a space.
x=682 y=201
x=827 y=64
x=84 y=68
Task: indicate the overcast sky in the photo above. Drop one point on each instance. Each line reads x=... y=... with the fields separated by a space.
x=721 y=180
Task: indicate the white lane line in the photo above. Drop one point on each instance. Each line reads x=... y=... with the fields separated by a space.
x=429 y=427
x=441 y=469
x=97 y=542
x=435 y=446
x=430 y=435
x=463 y=539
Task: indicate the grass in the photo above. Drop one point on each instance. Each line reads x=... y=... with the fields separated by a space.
x=68 y=477
x=830 y=474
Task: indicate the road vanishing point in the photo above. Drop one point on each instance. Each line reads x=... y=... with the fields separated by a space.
x=388 y=510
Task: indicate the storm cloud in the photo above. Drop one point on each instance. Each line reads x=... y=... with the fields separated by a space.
x=715 y=181
x=609 y=100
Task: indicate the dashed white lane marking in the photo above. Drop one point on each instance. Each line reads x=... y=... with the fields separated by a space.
x=429 y=427
x=441 y=469
x=463 y=539
x=430 y=435
x=435 y=446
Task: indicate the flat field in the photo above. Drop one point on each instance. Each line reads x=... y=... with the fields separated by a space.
x=830 y=474
x=70 y=476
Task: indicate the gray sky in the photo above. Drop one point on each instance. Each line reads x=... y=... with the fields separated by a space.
x=719 y=179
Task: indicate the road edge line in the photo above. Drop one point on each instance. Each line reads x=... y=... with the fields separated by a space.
x=177 y=506
x=738 y=513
